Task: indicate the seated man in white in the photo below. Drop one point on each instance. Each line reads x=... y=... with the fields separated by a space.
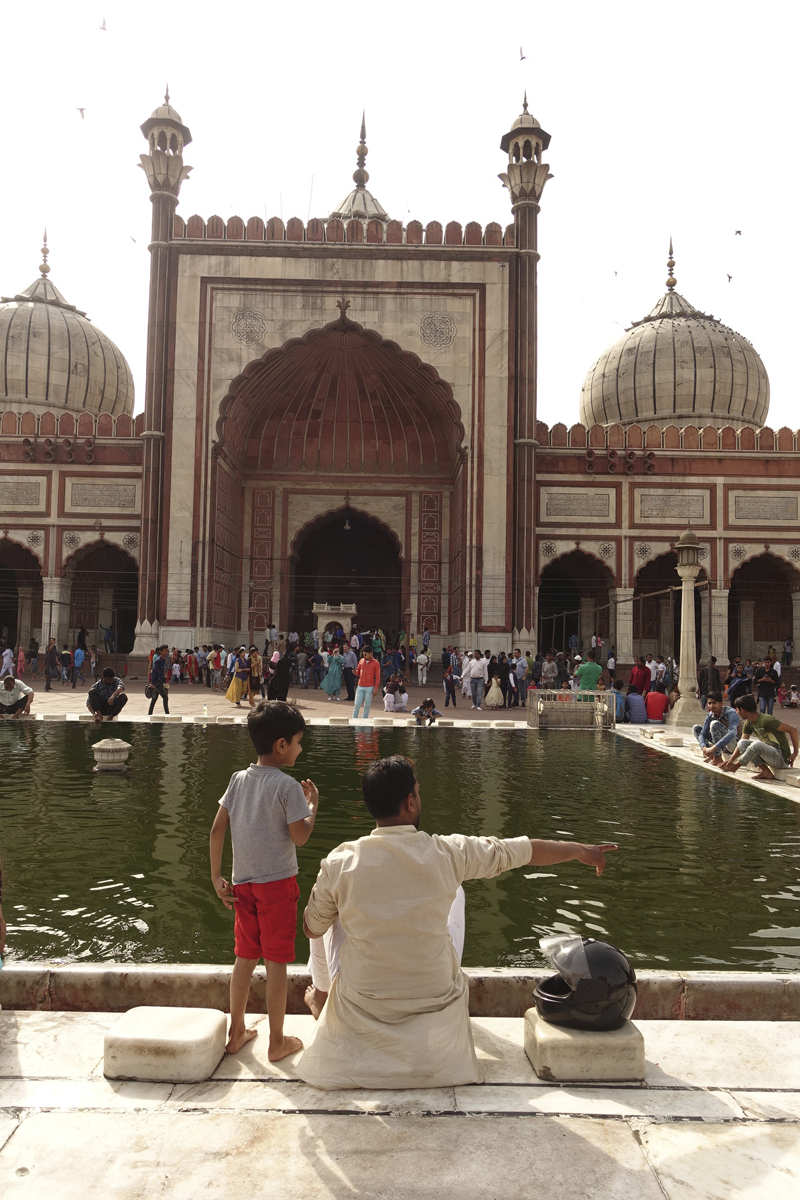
x=388 y=910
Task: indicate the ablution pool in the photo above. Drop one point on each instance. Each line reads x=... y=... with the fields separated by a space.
x=108 y=868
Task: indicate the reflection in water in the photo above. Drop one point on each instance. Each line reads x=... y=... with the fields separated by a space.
x=116 y=867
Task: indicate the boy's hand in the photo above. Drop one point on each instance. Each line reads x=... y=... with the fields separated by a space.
x=311 y=793
x=225 y=892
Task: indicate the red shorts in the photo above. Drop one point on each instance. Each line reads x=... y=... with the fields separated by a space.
x=266 y=919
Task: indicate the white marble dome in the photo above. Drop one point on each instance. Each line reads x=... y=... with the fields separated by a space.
x=677 y=366
x=53 y=357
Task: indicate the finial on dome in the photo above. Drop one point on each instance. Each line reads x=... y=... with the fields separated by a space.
x=672 y=281
x=44 y=268
x=525 y=101
x=166 y=95
x=360 y=176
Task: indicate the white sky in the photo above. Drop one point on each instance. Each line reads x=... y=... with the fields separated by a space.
x=666 y=119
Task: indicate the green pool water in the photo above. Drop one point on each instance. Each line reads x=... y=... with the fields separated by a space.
x=101 y=868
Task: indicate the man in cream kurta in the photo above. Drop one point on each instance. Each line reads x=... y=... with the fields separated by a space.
x=397 y=1014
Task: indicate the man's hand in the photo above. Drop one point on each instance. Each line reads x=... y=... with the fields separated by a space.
x=594 y=856
x=225 y=892
x=311 y=793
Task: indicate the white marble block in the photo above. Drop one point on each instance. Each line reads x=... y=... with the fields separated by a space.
x=562 y=1055
x=669 y=739
x=165 y=1045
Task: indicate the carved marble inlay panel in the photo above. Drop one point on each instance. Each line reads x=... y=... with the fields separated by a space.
x=103 y=495
x=16 y=494
x=651 y=505
x=577 y=505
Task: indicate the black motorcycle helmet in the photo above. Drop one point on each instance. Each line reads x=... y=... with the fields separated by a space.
x=595 y=987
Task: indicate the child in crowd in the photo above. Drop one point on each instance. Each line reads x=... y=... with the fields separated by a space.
x=565 y=691
x=427 y=711
x=790 y=698
x=268 y=814
x=619 y=700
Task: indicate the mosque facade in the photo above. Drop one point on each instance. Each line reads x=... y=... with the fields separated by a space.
x=343 y=411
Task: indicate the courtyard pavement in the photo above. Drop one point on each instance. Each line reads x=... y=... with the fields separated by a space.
x=718 y=1116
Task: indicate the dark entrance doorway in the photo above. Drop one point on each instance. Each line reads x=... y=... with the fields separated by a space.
x=348 y=558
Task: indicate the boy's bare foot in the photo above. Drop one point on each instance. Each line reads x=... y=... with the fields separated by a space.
x=236 y=1041
x=315 y=1001
x=765 y=775
x=282 y=1049
x=729 y=766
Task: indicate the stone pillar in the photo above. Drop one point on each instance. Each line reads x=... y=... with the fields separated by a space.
x=525 y=179
x=719 y=625
x=705 y=648
x=586 y=623
x=796 y=629
x=56 y=596
x=24 y=613
x=687 y=711
x=165 y=173
x=622 y=599
x=747 y=610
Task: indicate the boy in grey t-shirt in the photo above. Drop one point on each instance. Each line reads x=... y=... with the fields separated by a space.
x=268 y=814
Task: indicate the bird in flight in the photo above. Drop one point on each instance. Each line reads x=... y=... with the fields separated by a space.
x=521 y=55
x=737 y=233
x=82 y=111
x=103 y=28
x=730 y=277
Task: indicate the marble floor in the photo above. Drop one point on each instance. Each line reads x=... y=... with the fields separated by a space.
x=718 y=1116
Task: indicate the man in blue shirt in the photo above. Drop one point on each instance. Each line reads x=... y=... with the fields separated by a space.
x=159 y=679
x=635 y=707
x=719 y=729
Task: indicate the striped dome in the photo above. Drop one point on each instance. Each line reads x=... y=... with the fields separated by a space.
x=52 y=356
x=677 y=366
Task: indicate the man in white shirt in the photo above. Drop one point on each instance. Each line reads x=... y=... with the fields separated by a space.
x=478 y=678
x=8 y=662
x=15 y=699
x=422 y=668
x=386 y=920
x=549 y=672
x=652 y=667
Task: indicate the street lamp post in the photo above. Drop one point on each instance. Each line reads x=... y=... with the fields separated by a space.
x=687 y=710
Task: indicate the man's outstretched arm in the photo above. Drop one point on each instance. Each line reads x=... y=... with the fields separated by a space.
x=546 y=854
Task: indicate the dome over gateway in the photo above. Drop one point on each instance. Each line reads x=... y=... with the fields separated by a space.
x=677 y=366
x=52 y=356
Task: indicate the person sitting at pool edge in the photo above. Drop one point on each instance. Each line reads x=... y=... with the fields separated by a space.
x=386 y=934
x=656 y=704
x=718 y=730
x=106 y=697
x=15 y=699
x=763 y=742
x=635 y=711
x=427 y=711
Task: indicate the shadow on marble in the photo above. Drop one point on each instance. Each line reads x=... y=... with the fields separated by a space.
x=180 y=1156
x=299 y=1097
x=771 y=1106
x=252 y=1062
x=722 y=1054
x=600 y=1102
x=716 y=1162
x=82 y=1093
x=37 y=1045
x=499 y=1047
x=7 y=1127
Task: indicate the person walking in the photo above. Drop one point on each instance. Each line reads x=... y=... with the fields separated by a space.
x=301 y=658
x=8 y=662
x=239 y=686
x=368 y=675
x=422 y=667
x=478 y=679
x=766 y=680
x=349 y=665
x=159 y=679
x=77 y=665
x=449 y=685
x=256 y=682
x=50 y=664
x=333 y=680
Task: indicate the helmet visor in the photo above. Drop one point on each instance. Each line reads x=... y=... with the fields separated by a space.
x=568 y=956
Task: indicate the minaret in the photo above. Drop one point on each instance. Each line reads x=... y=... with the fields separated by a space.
x=361 y=202
x=164 y=167
x=525 y=179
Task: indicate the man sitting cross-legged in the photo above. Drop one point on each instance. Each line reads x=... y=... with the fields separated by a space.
x=397 y=1010
x=764 y=742
x=718 y=732
x=106 y=697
